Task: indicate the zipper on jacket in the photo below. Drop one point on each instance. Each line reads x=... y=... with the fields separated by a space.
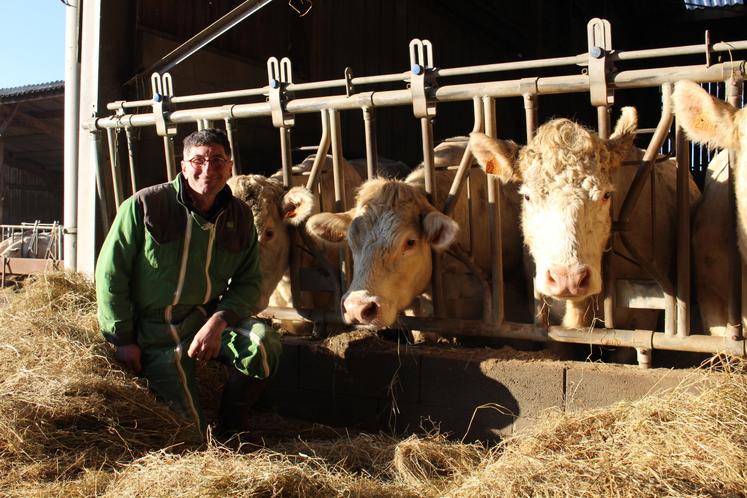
x=209 y=258
x=178 y=352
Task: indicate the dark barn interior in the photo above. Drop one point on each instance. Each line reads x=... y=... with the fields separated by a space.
x=371 y=37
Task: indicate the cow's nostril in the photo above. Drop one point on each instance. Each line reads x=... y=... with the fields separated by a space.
x=369 y=311
x=584 y=278
x=550 y=279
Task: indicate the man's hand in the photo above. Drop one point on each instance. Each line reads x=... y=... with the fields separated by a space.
x=206 y=344
x=129 y=355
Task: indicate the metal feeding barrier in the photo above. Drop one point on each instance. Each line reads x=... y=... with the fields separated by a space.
x=29 y=248
x=426 y=87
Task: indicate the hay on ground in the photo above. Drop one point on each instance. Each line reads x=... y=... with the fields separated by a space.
x=73 y=423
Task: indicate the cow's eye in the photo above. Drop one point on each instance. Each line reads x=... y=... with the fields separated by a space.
x=527 y=198
x=607 y=196
x=269 y=234
x=409 y=244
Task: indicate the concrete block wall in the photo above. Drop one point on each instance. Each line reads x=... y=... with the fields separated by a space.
x=359 y=380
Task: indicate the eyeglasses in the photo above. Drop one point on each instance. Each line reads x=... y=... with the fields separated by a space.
x=199 y=161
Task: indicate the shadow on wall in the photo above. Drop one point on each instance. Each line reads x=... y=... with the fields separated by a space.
x=360 y=380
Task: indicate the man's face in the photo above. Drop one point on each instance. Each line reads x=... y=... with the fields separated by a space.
x=207 y=168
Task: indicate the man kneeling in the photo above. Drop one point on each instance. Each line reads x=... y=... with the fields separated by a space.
x=175 y=281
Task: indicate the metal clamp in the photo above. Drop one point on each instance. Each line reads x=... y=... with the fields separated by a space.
x=279 y=76
x=599 y=37
x=349 y=87
x=422 y=78
x=163 y=89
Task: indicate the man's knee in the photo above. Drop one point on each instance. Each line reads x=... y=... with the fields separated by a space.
x=254 y=348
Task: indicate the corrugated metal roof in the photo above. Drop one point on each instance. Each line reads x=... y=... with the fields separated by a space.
x=36 y=90
x=702 y=4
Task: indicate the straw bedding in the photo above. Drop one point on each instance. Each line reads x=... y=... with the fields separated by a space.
x=73 y=423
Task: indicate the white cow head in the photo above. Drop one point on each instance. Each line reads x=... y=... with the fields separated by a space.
x=718 y=124
x=566 y=173
x=273 y=210
x=391 y=231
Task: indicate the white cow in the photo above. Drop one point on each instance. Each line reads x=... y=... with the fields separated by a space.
x=392 y=230
x=568 y=175
x=715 y=123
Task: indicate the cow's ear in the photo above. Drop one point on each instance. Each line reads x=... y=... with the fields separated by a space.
x=439 y=229
x=329 y=228
x=621 y=140
x=706 y=119
x=496 y=157
x=297 y=205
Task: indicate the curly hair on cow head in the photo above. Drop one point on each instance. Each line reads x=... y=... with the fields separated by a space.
x=257 y=192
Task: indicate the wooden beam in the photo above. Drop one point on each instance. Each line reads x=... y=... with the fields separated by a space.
x=26 y=120
x=9 y=111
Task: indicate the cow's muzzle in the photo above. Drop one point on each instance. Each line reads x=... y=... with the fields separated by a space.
x=360 y=308
x=567 y=282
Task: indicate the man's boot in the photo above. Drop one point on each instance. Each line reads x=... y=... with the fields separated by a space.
x=239 y=394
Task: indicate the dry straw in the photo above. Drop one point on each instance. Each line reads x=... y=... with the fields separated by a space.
x=73 y=424
x=64 y=409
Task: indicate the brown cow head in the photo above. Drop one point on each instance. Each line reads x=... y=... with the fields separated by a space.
x=391 y=231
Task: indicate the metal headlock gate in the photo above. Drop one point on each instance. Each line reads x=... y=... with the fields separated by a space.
x=425 y=89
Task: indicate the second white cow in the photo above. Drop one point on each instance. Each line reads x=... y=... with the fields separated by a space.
x=569 y=175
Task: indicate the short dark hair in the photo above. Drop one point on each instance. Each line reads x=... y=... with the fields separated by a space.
x=208 y=136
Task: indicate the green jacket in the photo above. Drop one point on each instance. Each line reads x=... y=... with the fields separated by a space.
x=161 y=262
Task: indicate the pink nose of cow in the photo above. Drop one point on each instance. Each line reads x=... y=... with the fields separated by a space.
x=562 y=281
x=359 y=311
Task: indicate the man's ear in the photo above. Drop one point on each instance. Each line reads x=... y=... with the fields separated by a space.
x=297 y=205
x=330 y=228
x=705 y=119
x=439 y=230
x=496 y=157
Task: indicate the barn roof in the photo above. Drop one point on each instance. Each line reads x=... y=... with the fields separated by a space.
x=31 y=92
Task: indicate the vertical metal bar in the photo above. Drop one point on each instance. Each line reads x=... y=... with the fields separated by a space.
x=683 y=234
x=168 y=148
x=285 y=155
x=131 y=158
x=71 y=132
x=114 y=164
x=372 y=154
x=464 y=164
x=734 y=303
x=337 y=173
x=495 y=223
x=338 y=176
x=426 y=129
x=608 y=270
x=233 y=140
x=96 y=162
x=530 y=112
x=603 y=121
x=321 y=153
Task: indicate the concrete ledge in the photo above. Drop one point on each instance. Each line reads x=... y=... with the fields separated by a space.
x=359 y=380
